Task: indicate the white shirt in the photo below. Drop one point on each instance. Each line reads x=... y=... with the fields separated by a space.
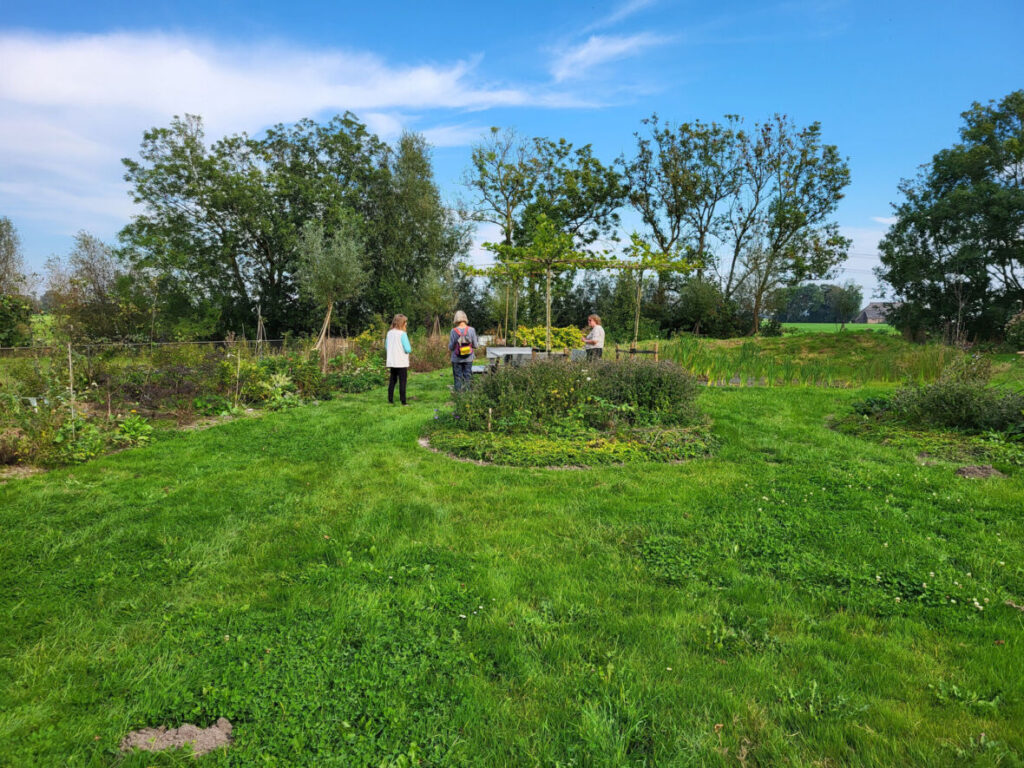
x=597 y=336
x=397 y=357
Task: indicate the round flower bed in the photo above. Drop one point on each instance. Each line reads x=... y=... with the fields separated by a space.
x=556 y=413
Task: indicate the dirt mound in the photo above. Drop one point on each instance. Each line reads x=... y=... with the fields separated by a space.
x=202 y=740
x=981 y=471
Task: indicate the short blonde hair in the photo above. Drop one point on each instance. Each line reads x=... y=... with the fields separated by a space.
x=595 y=318
x=399 y=322
x=460 y=317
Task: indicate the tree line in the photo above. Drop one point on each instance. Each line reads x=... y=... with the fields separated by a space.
x=318 y=226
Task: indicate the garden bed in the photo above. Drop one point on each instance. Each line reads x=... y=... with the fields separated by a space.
x=582 y=414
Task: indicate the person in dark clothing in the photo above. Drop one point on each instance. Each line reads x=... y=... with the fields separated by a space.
x=462 y=344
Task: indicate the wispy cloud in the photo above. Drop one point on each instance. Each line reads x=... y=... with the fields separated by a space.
x=72 y=106
x=622 y=12
x=887 y=220
x=576 y=61
x=167 y=74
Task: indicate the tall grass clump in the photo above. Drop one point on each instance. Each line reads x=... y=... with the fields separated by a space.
x=830 y=360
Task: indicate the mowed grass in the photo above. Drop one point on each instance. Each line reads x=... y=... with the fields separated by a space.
x=347 y=598
x=837 y=327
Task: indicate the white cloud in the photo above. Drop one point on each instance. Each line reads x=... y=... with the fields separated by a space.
x=887 y=220
x=72 y=106
x=577 y=60
x=454 y=135
x=169 y=74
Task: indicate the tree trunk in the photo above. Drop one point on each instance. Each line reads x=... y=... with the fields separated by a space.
x=515 y=317
x=507 y=286
x=325 y=333
x=547 y=310
x=636 y=310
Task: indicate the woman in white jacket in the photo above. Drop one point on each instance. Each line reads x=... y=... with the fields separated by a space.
x=397 y=349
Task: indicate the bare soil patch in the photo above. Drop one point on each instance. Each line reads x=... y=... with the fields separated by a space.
x=978 y=472
x=202 y=740
x=15 y=471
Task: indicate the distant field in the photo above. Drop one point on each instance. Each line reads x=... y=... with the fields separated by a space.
x=834 y=327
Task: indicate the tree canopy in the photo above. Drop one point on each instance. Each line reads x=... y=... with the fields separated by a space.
x=955 y=256
x=228 y=218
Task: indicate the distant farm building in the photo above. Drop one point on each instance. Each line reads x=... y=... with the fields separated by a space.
x=876 y=312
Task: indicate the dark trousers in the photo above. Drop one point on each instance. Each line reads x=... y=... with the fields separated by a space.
x=594 y=353
x=401 y=375
x=463 y=373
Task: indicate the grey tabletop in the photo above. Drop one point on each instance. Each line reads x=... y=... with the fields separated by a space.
x=506 y=351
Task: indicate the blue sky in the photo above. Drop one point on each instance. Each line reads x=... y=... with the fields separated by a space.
x=79 y=82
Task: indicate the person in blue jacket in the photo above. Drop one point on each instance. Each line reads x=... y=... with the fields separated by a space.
x=462 y=343
x=397 y=350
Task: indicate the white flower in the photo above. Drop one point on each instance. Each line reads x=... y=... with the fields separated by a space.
x=462 y=615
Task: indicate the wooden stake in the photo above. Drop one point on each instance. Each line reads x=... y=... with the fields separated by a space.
x=71 y=389
x=238 y=372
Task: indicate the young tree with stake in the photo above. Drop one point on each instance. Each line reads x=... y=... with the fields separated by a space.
x=329 y=268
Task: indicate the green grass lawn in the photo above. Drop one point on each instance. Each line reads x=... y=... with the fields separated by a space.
x=836 y=327
x=347 y=598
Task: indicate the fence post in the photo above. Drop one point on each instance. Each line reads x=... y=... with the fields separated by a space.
x=655 y=351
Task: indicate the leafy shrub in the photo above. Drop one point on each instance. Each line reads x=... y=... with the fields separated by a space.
x=11 y=445
x=133 y=430
x=15 y=321
x=372 y=339
x=959 y=405
x=561 y=338
x=770 y=327
x=211 y=405
x=568 y=397
x=960 y=399
x=1015 y=331
x=77 y=440
x=350 y=373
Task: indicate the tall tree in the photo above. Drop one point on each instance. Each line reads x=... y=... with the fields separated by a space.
x=12 y=268
x=412 y=235
x=792 y=186
x=955 y=256
x=679 y=181
x=93 y=297
x=501 y=178
x=228 y=217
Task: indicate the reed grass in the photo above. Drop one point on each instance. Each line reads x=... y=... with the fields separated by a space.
x=819 y=360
